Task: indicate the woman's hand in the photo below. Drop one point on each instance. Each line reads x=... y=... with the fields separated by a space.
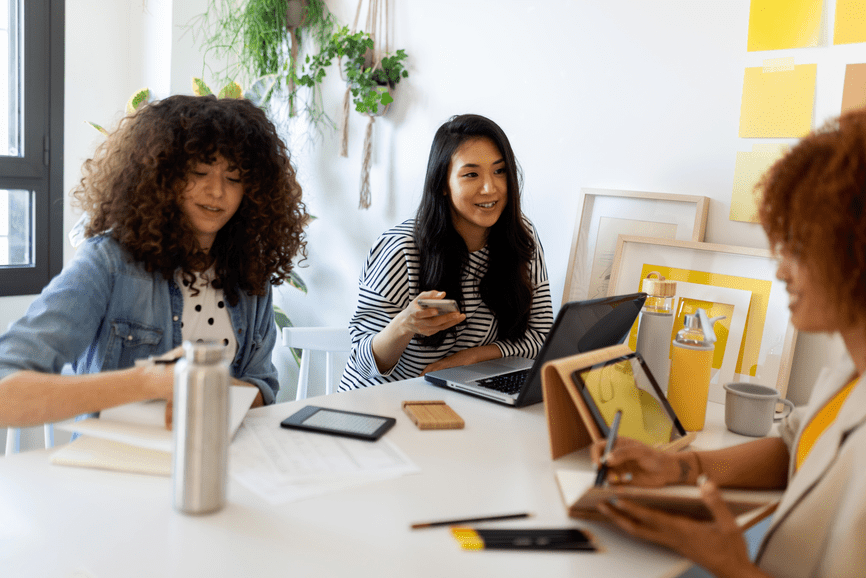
x=416 y=320
x=389 y=344
x=717 y=545
x=465 y=357
x=632 y=462
x=158 y=380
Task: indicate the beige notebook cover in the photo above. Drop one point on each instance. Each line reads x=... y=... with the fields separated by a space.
x=133 y=438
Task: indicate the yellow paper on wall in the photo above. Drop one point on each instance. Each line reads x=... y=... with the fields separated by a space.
x=778 y=24
x=854 y=91
x=750 y=167
x=850 y=25
x=778 y=104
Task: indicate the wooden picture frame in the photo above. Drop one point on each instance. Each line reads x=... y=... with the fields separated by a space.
x=604 y=214
x=768 y=338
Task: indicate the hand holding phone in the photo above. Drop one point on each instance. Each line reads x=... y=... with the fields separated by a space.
x=442 y=305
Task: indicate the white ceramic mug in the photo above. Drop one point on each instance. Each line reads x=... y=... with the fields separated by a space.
x=750 y=409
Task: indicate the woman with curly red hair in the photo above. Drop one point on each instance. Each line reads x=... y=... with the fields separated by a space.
x=813 y=213
x=194 y=213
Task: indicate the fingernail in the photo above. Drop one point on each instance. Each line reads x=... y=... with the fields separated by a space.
x=702 y=479
x=613 y=500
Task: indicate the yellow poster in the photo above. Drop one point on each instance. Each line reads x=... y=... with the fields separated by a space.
x=778 y=24
x=750 y=167
x=777 y=102
x=850 y=26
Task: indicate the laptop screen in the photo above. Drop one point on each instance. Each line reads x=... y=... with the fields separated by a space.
x=584 y=326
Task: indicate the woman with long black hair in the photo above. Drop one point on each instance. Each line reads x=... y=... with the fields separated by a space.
x=469 y=242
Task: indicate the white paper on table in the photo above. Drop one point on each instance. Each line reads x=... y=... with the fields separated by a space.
x=142 y=424
x=574 y=483
x=283 y=465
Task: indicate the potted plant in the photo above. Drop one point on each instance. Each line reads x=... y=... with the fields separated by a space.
x=265 y=36
x=369 y=82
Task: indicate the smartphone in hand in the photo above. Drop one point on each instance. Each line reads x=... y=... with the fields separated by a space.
x=442 y=305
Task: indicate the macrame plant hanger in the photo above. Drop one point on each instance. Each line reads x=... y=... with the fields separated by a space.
x=377 y=27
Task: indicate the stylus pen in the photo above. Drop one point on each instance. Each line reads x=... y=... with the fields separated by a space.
x=470 y=520
x=611 y=440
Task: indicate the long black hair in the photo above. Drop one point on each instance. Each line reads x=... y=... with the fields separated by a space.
x=506 y=287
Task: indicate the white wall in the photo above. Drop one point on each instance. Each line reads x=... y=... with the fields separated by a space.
x=618 y=94
x=623 y=94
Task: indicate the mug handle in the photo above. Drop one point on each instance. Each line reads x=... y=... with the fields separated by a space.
x=785 y=414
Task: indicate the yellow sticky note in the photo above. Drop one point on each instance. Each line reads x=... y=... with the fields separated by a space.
x=850 y=26
x=778 y=104
x=749 y=169
x=778 y=24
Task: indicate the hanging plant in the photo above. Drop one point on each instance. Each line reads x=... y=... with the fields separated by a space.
x=369 y=83
x=265 y=36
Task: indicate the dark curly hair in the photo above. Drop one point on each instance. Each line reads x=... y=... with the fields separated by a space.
x=506 y=287
x=132 y=190
x=812 y=208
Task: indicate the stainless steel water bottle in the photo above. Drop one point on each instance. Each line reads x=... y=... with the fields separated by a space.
x=200 y=426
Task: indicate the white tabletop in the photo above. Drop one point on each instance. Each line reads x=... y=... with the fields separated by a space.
x=75 y=522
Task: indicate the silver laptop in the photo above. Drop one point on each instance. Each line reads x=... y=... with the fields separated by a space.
x=580 y=326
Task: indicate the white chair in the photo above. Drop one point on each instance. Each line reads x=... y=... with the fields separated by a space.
x=13 y=438
x=308 y=339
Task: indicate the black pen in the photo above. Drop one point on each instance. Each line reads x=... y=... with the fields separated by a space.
x=611 y=440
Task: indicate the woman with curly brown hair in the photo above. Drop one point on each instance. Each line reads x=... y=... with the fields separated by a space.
x=194 y=213
x=813 y=213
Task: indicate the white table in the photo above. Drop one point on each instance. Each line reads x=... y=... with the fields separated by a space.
x=74 y=522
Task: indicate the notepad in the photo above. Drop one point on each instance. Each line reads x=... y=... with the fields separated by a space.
x=133 y=437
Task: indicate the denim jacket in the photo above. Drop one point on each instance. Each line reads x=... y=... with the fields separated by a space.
x=104 y=311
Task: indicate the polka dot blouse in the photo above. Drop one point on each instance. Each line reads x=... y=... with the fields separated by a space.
x=205 y=316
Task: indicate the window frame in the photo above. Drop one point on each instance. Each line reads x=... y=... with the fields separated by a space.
x=40 y=168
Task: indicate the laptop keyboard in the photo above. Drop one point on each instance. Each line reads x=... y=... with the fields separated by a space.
x=506 y=382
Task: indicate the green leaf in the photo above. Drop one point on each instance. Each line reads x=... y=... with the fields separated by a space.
x=296 y=282
x=138 y=99
x=199 y=88
x=281 y=318
x=97 y=127
x=262 y=89
x=387 y=98
x=231 y=90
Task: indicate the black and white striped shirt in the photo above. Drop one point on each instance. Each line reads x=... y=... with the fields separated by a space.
x=389 y=282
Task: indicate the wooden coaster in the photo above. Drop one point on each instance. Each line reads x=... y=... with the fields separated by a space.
x=432 y=414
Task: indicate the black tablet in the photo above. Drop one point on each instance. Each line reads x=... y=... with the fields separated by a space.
x=338 y=422
x=626 y=383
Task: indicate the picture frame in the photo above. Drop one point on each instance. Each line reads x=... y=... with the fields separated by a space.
x=768 y=337
x=604 y=214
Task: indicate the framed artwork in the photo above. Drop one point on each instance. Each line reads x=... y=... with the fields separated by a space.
x=603 y=215
x=768 y=337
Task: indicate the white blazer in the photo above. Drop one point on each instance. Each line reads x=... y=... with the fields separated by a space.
x=819 y=529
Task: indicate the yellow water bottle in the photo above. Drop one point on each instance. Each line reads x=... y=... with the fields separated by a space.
x=691 y=363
